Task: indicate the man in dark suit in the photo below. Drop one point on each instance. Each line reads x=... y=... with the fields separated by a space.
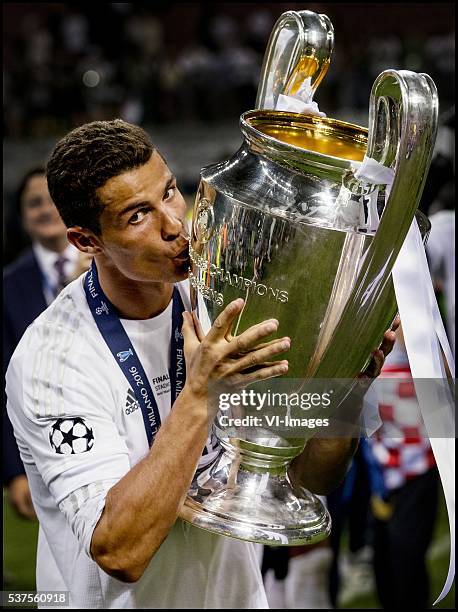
x=29 y=284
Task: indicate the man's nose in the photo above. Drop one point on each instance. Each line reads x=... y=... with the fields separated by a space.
x=171 y=226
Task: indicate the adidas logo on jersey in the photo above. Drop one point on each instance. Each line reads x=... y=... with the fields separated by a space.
x=131 y=402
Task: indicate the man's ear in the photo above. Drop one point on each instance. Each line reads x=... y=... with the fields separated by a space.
x=84 y=240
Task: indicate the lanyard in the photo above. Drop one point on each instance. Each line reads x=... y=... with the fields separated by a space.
x=122 y=349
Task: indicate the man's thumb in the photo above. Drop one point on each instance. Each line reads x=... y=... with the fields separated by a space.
x=187 y=329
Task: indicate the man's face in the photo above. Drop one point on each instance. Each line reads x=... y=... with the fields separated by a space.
x=40 y=217
x=142 y=224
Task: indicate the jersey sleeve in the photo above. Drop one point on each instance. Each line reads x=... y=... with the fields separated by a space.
x=83 y=509
x=63 y=409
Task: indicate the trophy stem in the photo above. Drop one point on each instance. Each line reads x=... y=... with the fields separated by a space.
x=246 y=494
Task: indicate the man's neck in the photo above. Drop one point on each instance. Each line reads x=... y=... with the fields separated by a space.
x=133 y=299
x=57 y=244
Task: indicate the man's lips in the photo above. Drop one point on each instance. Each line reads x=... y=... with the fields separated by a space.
x=183 y=255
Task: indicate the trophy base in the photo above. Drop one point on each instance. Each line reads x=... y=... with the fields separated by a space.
x=254 y=503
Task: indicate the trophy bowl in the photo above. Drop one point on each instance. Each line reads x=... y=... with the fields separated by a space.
x=286 y=225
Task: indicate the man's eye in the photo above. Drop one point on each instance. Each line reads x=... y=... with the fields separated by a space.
x=169 y=193
x=138 y=216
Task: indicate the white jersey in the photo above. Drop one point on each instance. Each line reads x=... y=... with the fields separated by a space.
x=80 y=430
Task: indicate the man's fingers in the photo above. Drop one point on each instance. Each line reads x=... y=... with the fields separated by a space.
x=278 y=369
x=198 y=326
x=22 y=503
x=252 y=336
x=259 y=345
x=188 y=330
x=378 y=357
x=262 y=345
x=396 y=323
x=258 y=357
x=375 y=366
x=223 y=322
x=26 y=510
x=388 y=341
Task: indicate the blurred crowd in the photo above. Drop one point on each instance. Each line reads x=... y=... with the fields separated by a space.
x=65 y=66
x=150 y=63
x=185 y=66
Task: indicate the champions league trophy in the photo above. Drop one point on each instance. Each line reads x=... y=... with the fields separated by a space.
x=292 y=226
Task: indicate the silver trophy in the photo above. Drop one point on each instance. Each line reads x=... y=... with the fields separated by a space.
x=287 y=226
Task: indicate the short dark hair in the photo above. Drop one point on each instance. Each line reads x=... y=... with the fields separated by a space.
x=85 y=159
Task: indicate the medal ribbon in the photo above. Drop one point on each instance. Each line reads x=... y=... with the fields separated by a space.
x=107 y=320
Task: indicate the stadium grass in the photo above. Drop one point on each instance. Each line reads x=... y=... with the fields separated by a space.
x=19 y=558
x=19 y=550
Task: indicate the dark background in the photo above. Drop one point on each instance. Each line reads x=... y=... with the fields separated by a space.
x=185 y=71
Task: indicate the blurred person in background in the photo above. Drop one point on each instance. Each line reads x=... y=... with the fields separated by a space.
x=440 y=249
x=29 y=285
x=442 y=170
x=351 y=572
x=405 y=488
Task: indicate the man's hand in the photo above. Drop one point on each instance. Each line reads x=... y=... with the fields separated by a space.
x=141 y=508
x=239 y=360
x=20 y=498
x=379 y=355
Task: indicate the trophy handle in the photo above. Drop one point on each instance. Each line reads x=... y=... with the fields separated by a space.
x=403 y=116
x=300 y=46
x=402 y=130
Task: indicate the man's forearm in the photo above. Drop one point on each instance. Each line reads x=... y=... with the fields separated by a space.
x=142 y=507
x=322 y=465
